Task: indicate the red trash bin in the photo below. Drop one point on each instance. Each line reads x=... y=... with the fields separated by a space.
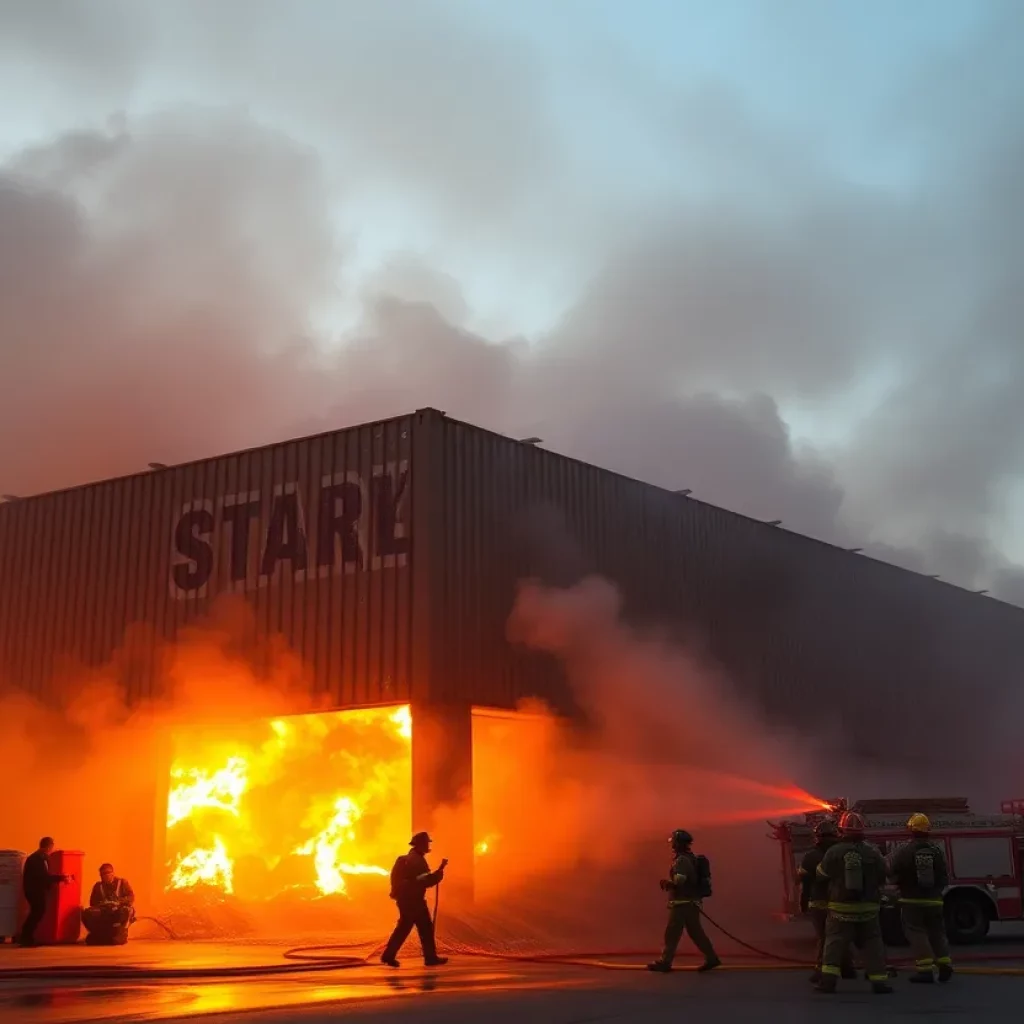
x=62 y=923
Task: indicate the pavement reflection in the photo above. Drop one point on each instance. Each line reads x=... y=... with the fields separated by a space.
x=467 y=989
x=76 y=1004
x=540 y=995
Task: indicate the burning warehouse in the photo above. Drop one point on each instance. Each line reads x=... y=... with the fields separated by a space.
x=377 y=567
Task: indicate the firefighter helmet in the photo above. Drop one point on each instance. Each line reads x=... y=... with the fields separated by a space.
x=680 y=839
x=851 y=824
x=825 y=827
x=919 y=823
x=420 y=839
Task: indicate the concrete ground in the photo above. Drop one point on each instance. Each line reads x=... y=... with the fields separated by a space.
x=504 y=994
x=468 y=989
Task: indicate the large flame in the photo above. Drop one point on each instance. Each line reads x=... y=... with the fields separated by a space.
x=301 y=803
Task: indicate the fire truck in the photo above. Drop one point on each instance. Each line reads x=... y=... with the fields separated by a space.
x=985 y=854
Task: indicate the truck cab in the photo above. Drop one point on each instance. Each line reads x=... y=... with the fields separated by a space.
x=985 y=854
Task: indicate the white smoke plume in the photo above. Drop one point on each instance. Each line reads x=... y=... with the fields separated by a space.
x=187 y=264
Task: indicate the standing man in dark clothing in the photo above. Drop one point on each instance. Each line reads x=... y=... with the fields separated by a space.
x=411 y=877
x=685 y=889
x=35 y=883
x=814 y=893
x=919 y=869
x=855 y=872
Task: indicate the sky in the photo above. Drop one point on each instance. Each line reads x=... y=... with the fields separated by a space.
x=770 y=251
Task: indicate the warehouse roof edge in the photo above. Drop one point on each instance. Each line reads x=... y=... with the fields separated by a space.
x=159 y=468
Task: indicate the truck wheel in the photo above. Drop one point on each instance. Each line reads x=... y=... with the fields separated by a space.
x=892 y=928
x=967 y=919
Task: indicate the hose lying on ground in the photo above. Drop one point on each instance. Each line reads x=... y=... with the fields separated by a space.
x=161 y=924
x=334 y=957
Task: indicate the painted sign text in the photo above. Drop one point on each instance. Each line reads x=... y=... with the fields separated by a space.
x=244 y=541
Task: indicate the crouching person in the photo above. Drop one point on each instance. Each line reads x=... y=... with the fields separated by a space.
x=111 y=910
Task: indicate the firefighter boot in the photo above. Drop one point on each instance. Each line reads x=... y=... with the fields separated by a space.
x=922 y=978
x=945 y=973
x=659 y=967
x=709 y=965
x=436 y=961
x=890 y=971
x=881 y=988
x=815 y=977
x=827 y=984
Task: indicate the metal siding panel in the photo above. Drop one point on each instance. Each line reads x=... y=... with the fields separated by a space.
x=86 y=574
x=6 y=593
x=160 y=516
x=16 y=526
x=348 y=647
x=65 y=635
x=28 y=620
x=129 y=554
x=19 y=541
x=788 y=617
x=39 y=624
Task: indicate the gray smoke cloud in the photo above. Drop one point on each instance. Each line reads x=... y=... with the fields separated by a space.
x=167 y=260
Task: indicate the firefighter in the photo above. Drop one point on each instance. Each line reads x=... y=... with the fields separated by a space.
x=411 y=877
x=36 y=883
x=855 y=872
x=919 y=870
x=111 y=910
x=814 y=894
x=684 y=886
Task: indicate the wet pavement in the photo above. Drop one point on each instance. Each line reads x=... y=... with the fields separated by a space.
x=53 y=1001
x=468 y=989
x=538 y=994
x=146 y=955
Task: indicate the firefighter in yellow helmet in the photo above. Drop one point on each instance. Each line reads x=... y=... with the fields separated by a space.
x=919 y=870
x=855 y=872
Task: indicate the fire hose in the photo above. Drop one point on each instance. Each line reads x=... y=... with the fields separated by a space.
x=324 y=955
x=335 y=957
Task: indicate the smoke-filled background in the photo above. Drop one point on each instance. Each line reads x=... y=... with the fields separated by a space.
x=93 y=772
x=662 y=742
x=769 y=252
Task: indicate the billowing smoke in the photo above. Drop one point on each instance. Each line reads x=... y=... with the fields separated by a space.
x=94 y=773
x=180 y=280
x=651 y=702
x=666 y=743
x=665 y=739
x=659 y=704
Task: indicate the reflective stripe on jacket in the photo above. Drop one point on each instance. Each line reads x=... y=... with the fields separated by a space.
x=902 y=866
x=855 y=872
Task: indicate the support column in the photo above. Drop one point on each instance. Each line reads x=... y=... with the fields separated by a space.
x=163 y=753
x=442 y=791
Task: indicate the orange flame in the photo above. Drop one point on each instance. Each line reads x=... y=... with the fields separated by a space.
x=204 y=867
x=307 y=801
x=196 y=789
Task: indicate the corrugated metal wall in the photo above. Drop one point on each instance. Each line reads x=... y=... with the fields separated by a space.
x=314 y=533
x=317 y=534
x=815 y=632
